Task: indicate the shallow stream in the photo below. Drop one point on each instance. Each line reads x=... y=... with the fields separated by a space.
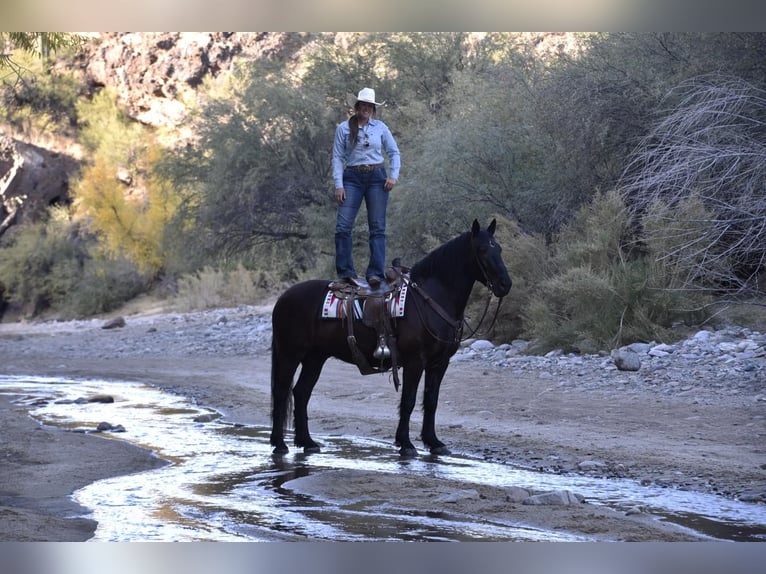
x=222 y=483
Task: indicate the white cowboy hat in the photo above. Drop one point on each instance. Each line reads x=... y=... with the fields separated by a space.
x=365 y=95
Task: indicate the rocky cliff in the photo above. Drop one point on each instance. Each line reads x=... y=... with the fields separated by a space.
x=154 y=75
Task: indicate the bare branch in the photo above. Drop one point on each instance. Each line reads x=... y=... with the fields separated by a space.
x=710 y=149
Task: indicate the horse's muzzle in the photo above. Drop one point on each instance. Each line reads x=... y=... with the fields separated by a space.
x=501 y=287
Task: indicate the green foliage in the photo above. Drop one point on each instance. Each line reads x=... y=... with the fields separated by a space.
x=39 y=104
x=104 y=284
x=15 y=46
x=40 y=44
x=597 y=296
x=106 y=130
x=508 y=125
x=677 y=236
x=48 y=267
x=40 y=266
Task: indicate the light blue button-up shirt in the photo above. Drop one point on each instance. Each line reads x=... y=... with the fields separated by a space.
x=380 y=140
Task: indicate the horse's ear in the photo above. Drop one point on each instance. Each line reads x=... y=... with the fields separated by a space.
x=491 y=228
x=475 y=228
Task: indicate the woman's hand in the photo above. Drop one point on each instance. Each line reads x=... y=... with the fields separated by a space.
x=388 y=186
x=340 y=195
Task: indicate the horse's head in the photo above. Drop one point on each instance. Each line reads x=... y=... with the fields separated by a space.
x=488 y=252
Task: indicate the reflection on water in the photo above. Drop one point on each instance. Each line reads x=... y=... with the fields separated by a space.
x=225 y=485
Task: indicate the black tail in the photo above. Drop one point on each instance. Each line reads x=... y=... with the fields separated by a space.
x=281 y=398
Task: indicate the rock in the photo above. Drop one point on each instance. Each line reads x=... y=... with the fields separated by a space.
x=664 y=348
x=482 y=345
x=105 y=426
x=554 y=498
x=458 y=495
x=753 y=496
x=591 y=465
x=640 y=348
x=626 y=360
x=516 y=494
x=114 y=323
x=520 y=344
x=100 y=399
x=206 y=418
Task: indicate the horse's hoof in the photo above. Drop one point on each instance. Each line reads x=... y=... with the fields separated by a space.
x=280 y=450
x=441 y=450
x=408 y=452
x=311 y=449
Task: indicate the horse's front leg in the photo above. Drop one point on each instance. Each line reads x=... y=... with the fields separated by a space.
x=311 y=367
x=433 y=381
x=411 y=378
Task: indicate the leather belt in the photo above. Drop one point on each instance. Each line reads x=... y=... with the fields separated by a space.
x=365 y=168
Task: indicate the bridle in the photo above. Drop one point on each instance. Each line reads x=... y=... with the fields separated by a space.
x=457 y=325
x=490 y=291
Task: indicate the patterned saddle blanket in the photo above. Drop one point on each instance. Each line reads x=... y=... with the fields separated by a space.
x=334 y=305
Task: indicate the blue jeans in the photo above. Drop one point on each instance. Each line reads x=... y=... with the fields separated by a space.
x=367 y=186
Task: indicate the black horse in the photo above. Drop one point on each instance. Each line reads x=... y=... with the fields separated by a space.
x=426 y=336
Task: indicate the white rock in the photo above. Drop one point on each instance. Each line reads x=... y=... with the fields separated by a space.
x=482 y=345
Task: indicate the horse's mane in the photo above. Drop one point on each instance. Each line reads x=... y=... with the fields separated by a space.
x=444 y=257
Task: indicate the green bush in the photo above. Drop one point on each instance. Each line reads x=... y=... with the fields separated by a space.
x=48 y=267
x=586 y=292
x=104 y=285
x=37 y=103
x=39 y=266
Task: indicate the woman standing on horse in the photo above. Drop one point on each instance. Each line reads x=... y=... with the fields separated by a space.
x=360 y=174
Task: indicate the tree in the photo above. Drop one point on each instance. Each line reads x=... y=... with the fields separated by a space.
x=39 y=44
x=260 y=164
x=119 y=195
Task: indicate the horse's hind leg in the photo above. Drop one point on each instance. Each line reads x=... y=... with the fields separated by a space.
x=311 y=367
x=282 y=373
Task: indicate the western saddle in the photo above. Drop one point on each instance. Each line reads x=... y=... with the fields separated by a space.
x=376 y=313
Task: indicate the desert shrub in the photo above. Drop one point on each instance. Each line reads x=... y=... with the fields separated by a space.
x=39 y=265
x=50 y=266
x=683 y=237
x=595 y=292
x=105 y=284
x=576 y=305
x=210 y=288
